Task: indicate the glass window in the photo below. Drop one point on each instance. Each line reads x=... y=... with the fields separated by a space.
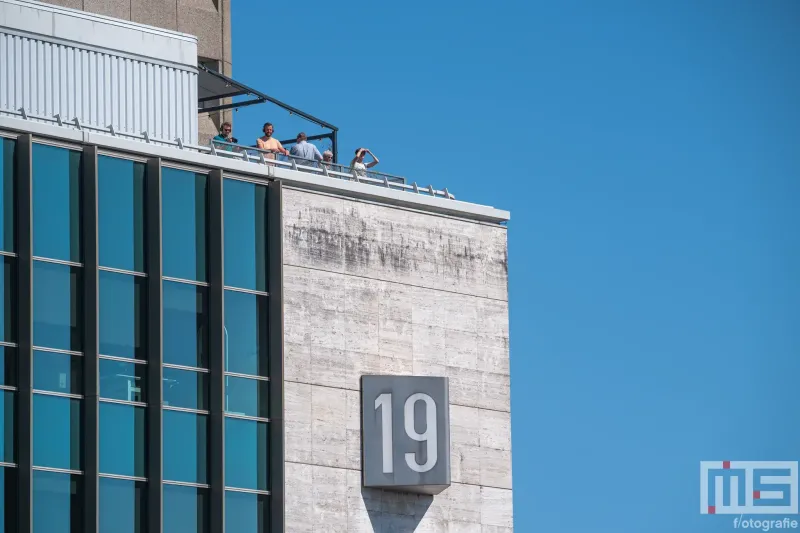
x=123 y=381
x=57 y=441
x=8 y=289
x=57 y=502
x=8 y=366
x=122 y=439
x=56 y=203
x=185 y=438
x=246 y=454
x=7 y=168
x=7 y=448
x=57 y=372
x=122 y=506
x=57 y=306
x=183 y=224
x=123 y=315
x=184 y=388
x=246 y=333
x=185 y=509
x=8 y=500
x=246 y=513
x=249 y=397
x=120 y=212
x=245 y=212
x=185 y=324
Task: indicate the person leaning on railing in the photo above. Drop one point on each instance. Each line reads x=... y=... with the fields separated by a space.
x=304 y=152
x=358 y=166
x=327 y=159
x=268 y=142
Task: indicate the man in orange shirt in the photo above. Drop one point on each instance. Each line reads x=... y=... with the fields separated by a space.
x=268 y=142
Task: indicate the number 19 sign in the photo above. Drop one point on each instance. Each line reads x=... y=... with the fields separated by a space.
x=405 y=433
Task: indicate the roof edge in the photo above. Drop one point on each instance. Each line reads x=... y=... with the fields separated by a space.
x=477 y=212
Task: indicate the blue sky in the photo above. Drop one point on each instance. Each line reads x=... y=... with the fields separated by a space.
x=649 y=153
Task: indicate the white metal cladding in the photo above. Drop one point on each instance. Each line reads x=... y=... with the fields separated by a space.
x=99 y=88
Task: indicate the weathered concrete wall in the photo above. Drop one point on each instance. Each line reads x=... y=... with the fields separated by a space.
x=376 y=289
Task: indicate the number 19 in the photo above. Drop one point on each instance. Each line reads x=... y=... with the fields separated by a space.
x=429 y=436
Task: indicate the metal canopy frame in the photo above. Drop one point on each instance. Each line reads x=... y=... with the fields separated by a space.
x=238 y=89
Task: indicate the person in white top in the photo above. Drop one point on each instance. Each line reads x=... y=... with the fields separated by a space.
x=357 y=164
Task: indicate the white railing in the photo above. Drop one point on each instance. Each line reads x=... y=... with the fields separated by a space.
x=254 y=155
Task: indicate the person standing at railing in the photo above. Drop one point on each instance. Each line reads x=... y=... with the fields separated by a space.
x=327 y=159
x=268 y=142
x=358 y=166
x=304 y=152
x=225 y=136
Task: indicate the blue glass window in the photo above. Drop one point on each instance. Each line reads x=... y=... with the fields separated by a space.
x=57 y=372
x=246 y=454
x=123 y=315
x=57 y=440
x=56 y=203
x=249 y=397
x=246 y=513
x=122 y=506
x=246 y=333
x=7 y=168
x=57 y=306
x=8 y=289
x=185 y=388
x=8 y=500
x=245 y=211
x=183 y=224
x=123 y=381
x=7 y=448
x=185 y=324
x=8 y=366
x=185 y=509
x=57 y=502
x=185 y=442
x=120 y=211
x=122 y=439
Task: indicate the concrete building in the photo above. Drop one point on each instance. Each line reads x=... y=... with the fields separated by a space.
x=187 y=332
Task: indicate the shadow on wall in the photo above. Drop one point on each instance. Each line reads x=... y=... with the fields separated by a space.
x=395 y=512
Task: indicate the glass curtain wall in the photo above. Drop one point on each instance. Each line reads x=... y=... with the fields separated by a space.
x=127 y=328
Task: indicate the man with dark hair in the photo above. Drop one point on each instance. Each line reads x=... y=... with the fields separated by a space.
x=225 y=136
x=270 y=143
x=304 y=152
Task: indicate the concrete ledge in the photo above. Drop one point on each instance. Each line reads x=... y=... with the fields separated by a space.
x=294 y=178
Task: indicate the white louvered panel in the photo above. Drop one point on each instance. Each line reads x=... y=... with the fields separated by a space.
x=98 y=88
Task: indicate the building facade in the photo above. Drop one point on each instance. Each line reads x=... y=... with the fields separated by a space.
x=186 y=333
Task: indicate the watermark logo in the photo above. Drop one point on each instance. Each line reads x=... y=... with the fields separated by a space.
x=748 y=487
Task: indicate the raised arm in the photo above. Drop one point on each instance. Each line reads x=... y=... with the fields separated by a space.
x=374 y=161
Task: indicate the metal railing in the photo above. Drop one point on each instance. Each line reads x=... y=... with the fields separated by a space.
x=255 y=155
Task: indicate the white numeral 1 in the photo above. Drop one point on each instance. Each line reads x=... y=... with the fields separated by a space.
x=385 y=401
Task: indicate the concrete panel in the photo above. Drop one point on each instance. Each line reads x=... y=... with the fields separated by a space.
x=160 y=13
x=352 y=508
x=386 y=243
x=328 y=427
x=298 y=422
x=120 y=9
x=205 y=24
x=72 y=4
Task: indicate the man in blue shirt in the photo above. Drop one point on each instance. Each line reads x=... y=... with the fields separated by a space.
x=304 y=152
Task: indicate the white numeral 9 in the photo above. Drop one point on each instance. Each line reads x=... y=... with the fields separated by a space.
x=429 y=436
